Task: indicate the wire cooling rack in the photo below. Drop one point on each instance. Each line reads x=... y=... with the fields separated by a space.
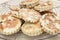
x=20 y=36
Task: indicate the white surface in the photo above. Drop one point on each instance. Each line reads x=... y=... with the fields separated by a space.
x=3 y=1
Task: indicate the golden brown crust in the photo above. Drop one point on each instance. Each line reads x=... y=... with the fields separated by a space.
x=44 y=6
x=14 y=8
x=9 y=25
x=29 y=3
x=48 y=21
x=31 y=29
x=15 y=13
x=29 y=15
